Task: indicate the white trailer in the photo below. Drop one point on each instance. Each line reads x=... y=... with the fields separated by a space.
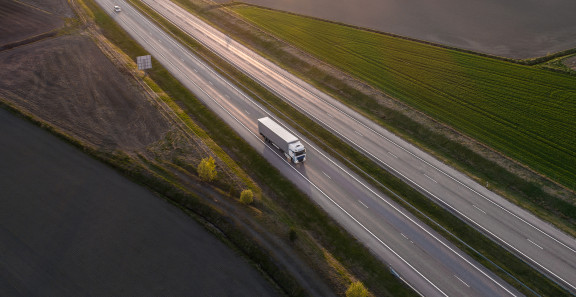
x=282 y=139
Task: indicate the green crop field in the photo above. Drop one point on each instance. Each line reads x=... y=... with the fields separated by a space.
x=525 y=112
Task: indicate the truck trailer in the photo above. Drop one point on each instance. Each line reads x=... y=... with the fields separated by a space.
x=282 y=139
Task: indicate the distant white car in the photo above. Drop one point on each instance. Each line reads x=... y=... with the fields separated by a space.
x=117 y=8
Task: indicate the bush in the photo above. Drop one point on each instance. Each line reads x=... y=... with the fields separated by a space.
x=356 y=289
x=207 y=169
x=292 y=235
x=246 y=197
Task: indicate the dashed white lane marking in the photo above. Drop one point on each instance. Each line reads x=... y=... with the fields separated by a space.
x=328 y=176
x=246 y=111
x=478 y=208
x=535 y=243
x=430 y=178
x=210 y=83
x=391 y=154
x=363 y=203
x=404 y=235
x=358 y=133
x=462 y=281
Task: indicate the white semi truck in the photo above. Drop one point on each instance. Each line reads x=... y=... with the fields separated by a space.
x=282 y=139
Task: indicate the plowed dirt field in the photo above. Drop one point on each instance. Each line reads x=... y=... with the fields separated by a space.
x=19 y=21
x=69 y=82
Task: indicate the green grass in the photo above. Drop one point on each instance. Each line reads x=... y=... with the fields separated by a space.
x=525 y=112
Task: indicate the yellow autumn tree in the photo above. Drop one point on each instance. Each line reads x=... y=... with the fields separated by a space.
x=356 y=289
x=207 y=169
x=246 y=197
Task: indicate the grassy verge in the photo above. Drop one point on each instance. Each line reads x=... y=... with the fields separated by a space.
x=526 y=113
x=430 y=211
x=304 y=215
x=214 y=147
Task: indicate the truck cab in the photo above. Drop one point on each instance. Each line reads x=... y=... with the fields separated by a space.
x=297 y=152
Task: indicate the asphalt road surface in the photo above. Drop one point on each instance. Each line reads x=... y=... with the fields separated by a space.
x=417 y=254
x=536 y=241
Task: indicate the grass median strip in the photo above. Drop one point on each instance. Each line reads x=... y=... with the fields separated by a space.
x=490 y=252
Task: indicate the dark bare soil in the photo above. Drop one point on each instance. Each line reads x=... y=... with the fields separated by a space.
x=68 y=82
x=19 y=21
x=508 y=28
x=71 y=226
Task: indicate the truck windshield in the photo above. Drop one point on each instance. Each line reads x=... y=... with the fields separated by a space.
x=300 y=153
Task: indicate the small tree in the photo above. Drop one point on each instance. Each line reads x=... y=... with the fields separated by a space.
x=246 y=197
x=292 y=235
x=356 y=289
x=207 y=169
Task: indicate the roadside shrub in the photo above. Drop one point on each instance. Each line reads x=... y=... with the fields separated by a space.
x=246 y=197
x=292 y=235
x=356 y=289
x=207 y=169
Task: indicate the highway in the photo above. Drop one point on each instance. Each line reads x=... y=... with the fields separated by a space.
x=413 y=251
x=539 y=243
